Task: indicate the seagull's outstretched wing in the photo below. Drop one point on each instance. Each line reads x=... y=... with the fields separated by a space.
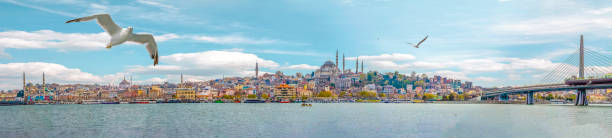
x=151 y=45
x=420 y=42
x=104 y=20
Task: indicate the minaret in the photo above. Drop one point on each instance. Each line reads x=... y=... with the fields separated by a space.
x=182 y=78
x=24 y=84
x=44 y=84
x=342 y=63
x=257 y=80
x=336 y=58
x=357 y=65
x=361 y=66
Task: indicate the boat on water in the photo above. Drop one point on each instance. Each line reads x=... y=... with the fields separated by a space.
x=124 y=102
x=219 y=101
x=143 y=101
x=237 y=101
x=7 y=103
x=110 y=103
x=254 y=101
x=284 y=101
x=92 y=102
x=306 y=105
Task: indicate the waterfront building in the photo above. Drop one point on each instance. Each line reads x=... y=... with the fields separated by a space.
x=284 y=92
x=185 y=93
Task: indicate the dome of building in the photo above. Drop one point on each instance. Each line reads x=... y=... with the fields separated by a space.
x=328 y=64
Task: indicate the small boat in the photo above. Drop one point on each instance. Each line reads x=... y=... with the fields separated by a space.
x=284 y=101
x=306 y=105
x=143 y=101
x=124 y=102
x=254 y=101
x=237 y=101
x=219 y=101
x=6 y=103
x=92 y=102
x=110 y=102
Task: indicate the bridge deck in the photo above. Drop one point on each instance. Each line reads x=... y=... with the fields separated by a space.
x=558 y=87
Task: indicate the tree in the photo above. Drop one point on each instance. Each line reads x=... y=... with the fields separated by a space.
x=549 y=97
x=382 y=95
x=324 y=94
x=304 y=98
x=342 y=94
x=428 y=96
x=571 y=97
x=366 y=94
x=265 y=96
x=251 y=96
x=228 y=97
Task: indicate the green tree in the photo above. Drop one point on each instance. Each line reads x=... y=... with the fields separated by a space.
x=382 y=95
x=324 y=94
x=228 y=97
x=251 y=96
x=265 y=96
x=549 y=97
x=428 y=96
x=342 y=94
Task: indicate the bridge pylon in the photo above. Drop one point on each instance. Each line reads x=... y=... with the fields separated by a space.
x=529 y=98
x=581 y=95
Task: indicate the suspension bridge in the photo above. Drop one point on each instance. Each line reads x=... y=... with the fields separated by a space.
x=571 y=75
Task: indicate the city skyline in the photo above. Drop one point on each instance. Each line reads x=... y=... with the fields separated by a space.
x=492 y=43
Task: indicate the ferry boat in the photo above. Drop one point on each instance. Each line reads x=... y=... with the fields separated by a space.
x=110 y=102
x=5 y=103
x=143 y=101
x=92 y=102
x=284 y=101
x=254 y=101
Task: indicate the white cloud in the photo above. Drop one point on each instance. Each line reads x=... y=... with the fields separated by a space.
x=597 y=20
x=486 y=79
x=207 y=63
x=392 y=57
x=233 y=39
x=48 y=39
x=157 y=4
x=300 y=67
x=55 y=73
x=41 y=8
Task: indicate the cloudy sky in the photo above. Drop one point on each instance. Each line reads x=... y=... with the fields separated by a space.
x=490 y=42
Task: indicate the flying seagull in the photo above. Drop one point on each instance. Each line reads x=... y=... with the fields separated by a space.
x=420 y=42
x=120 y=35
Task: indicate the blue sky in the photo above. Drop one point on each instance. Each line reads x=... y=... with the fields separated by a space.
x=490 y=42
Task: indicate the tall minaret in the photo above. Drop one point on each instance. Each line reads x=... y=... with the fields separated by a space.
x=336 y=58
x=342 y=63
x=182 y=82
x=357 y=65
x=44 y=84
x=256 y=70
x=361 y=66
x=24 y=84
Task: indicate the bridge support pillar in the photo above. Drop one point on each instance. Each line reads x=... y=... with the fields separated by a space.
x=581 y=98
x=504 y=97
x=529 y=98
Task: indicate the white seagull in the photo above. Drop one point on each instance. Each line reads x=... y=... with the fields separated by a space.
x=420 y=42
x=120 y=35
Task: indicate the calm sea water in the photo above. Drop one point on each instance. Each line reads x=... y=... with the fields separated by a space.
x=292 y=120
